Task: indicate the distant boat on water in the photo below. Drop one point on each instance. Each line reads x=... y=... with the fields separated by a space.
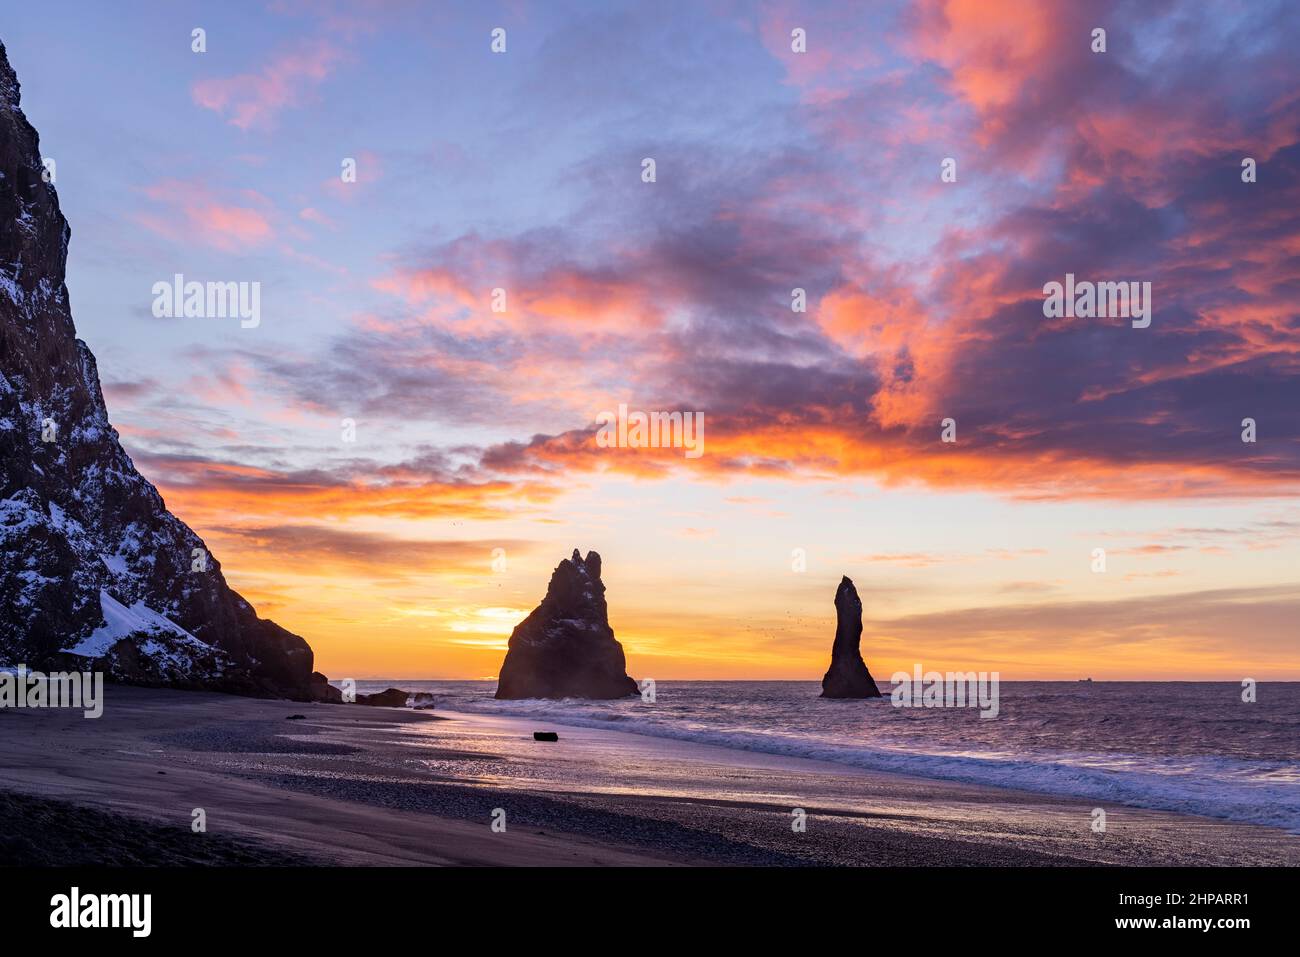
x=1085 y=681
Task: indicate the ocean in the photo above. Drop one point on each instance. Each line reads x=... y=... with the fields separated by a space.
x=1192 y=747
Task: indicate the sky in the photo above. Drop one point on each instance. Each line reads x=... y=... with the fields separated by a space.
x=411 y=548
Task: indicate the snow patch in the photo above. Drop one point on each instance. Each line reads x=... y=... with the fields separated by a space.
x=122 y=622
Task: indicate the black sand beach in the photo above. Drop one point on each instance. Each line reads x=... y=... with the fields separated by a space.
x=352 y=785
x=35 y=832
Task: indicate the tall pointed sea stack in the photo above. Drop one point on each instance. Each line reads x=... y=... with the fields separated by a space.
x=94 y=571
x=565 y=648
x=848 y=676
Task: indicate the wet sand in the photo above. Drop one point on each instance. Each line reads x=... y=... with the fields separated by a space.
x=347 y=784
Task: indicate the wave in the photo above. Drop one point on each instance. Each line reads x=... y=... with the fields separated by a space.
x=1250 y=792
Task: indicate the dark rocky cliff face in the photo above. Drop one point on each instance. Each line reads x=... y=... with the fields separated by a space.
x=565 y=648
x=848 y=676
x=91 y=561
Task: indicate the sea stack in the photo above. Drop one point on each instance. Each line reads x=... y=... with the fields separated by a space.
x=95 y=572
x=848 y=676
x=565 y=648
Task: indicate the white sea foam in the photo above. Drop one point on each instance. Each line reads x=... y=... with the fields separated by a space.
x=1142 y=745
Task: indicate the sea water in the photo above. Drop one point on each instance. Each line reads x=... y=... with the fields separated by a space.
x=1193 y=747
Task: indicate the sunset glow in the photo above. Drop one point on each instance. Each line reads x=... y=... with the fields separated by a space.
x=413 y=548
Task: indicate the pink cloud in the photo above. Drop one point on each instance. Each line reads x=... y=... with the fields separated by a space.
x=195 y=211
x=250 y=100
x=837 y=51
x=313 y=215
x=993 y=49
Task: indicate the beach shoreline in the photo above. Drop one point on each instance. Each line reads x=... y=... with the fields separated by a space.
x=352 y=785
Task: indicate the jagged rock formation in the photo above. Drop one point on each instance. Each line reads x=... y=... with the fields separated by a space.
x=388 y=698
x=848 y=676
x=320 y=689
x=93 y=568
x=565 y=648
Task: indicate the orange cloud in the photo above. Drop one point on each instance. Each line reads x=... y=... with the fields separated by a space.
x=827 y=450
x=561 y=299
x=209 y=492
x=991 y=48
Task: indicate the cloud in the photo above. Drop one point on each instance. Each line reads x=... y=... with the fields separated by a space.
x=328 y=550
x=690 y=303
x=312 y=215
x=1109 y=636
x=289 y=79
x=208 y=490
x=930 y=559
x=924 y=300
x=191 y=209
x=127 y=390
